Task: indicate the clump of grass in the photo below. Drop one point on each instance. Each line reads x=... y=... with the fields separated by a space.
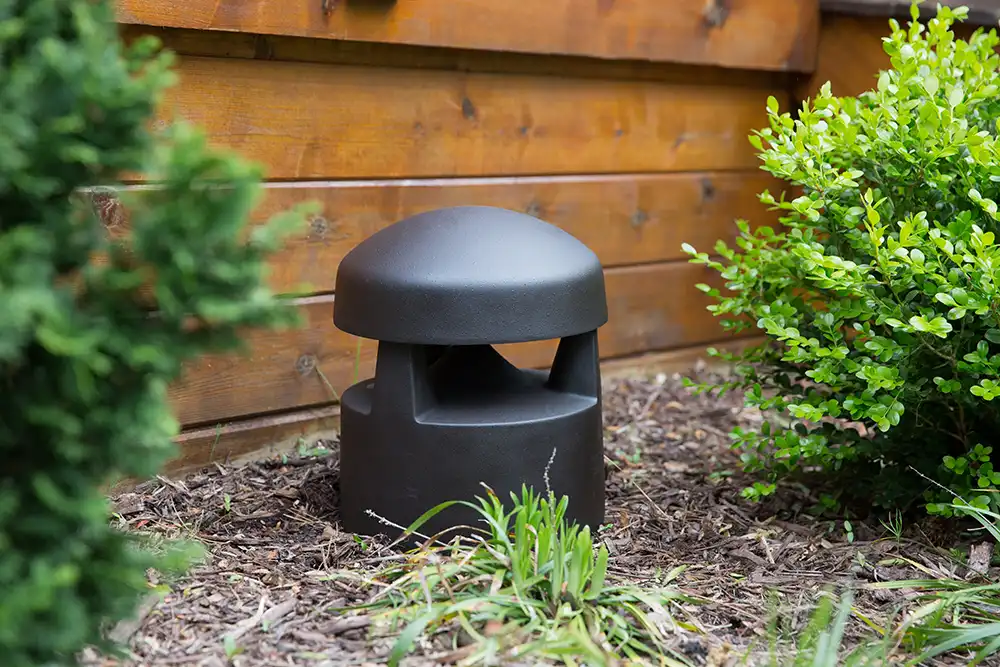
x=528 y=582
x=821 y=642
x=951 y=614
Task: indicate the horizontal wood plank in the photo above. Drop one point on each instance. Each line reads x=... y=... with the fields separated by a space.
x=850 y=56
x=316 y=121
x=265 y=437
x=625 y=219
x=187 y=42
x=674 y=361
x=651 y=307
x=730 y=33
x=254 y=438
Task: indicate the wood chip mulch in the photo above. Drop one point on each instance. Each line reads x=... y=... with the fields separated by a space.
x=265 y=595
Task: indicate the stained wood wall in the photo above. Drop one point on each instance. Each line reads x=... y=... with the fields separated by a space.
x=622 y=121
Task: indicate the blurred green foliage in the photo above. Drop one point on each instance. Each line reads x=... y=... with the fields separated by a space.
x=87 y=349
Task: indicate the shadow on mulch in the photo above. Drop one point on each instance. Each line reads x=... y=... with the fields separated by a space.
x=673 y=500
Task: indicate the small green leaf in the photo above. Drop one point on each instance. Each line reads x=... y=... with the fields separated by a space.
x=938 y=326
x=883 y=81
x=931 y=84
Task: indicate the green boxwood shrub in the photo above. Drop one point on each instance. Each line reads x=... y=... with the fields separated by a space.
x=879 y=292
x=84 y=361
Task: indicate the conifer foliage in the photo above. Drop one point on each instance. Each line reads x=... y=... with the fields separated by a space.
x=88 y=348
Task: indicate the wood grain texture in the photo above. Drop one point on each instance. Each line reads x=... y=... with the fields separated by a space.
x=625 y=219
x=673 y=361
x=187 y=42
x=313 y=121
x=261 y=438
x=254 y=439
x=731 y=33
x=651 y=307
x=850 y=55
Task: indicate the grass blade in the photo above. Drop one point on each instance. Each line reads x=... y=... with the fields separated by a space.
x=408 y=637
x=962 y=637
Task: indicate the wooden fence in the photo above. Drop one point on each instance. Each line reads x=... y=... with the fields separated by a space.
x=622 y=121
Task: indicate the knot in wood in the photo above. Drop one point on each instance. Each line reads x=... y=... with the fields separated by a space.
x=707 y=190
x=716 y=12
x=639 y=218
x=305 y=364
x=468 y=109
x=319 y=225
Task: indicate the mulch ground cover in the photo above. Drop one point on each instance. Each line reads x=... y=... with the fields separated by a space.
x=269 y=593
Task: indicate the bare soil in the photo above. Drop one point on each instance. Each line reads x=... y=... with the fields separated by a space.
x=271 y=530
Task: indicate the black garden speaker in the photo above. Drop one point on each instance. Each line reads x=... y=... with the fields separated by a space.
x=446 y=412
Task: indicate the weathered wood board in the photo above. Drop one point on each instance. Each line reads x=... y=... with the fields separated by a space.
x=215 y=44
x=321 y=121
x=624 y=218
x=651 y=307
x=729 y=33
x=259 y=437
x=255 y=437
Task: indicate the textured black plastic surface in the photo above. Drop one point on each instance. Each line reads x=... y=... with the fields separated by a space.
x=438 y=422
x=470 y=275
x=446 y=412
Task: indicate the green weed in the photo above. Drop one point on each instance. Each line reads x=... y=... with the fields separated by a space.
x=527 y=583
x=954 y=615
